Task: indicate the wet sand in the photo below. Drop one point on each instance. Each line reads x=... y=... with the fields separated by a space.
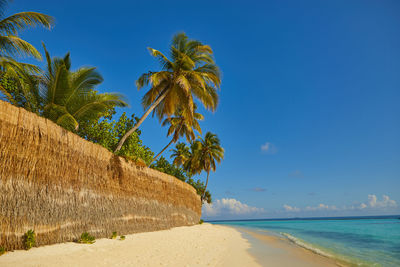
x=272 y=250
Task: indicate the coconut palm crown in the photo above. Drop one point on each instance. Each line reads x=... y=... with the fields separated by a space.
x=69 y=96
x=179 y=127
x=206 y=153
x=180 y=154
x=190 y=73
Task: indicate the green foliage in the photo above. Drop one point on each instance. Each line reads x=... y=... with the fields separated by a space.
x=122 y=237
x=86 y=238
x=190 y=72
x=29 y=239
x=114 y=235
x=164 y=166
x=199 y=186
x=180 y=126
x=10 y=43
x=201 y=221
x=69 y=96
x=19 y=85
x=180 y=154
x=64 y=96
x=206 y=152
x=107 y=132
x=202 y=155
x=2 y=251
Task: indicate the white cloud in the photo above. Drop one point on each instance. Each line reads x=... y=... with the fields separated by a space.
x=266 y=146
x=363 y=206
x=229 y=206
x=372 y=204
x=269 y=148
x=290 y=208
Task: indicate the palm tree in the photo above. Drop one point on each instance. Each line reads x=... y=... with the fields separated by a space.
x=180 y=126
x=181 y=154
x=10 y=44
x=19 y=76
x=206 y=153
x=190 y=73
x=69 y=97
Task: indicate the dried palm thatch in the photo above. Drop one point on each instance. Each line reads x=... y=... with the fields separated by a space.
x=60 y=185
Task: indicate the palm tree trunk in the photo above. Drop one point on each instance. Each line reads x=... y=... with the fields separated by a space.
x=159 y=154
x=149 y=110
x=205 y=188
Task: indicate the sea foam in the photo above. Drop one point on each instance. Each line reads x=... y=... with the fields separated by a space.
x=303 y=244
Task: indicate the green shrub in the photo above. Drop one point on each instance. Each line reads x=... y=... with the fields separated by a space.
x=201 y=221
x=122 y=237
x=114 y=235
x=86 y=238
x=2 y=251
x=29 y=239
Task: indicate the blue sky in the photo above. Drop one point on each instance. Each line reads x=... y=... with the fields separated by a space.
x=314 y=83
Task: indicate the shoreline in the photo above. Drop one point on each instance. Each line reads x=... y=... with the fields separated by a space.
x=290 y=252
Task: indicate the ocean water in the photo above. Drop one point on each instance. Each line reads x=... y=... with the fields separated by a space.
x=363 y=241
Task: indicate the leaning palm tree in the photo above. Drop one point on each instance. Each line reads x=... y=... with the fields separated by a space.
x=69 y=96
x=10 y=44
x=206 y=153
x=179 y=127
x=190 y=73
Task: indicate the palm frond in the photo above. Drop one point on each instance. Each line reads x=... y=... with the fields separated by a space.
x=7 y=95
x=48 y=60
x=16 y=47
x=90 y=105
x=11 y=65
x=82 y=81
x=20 y=21
x=143 y=80
x=163 y=60
x=68 y=122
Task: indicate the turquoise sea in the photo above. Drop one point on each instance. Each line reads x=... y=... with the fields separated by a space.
x=360 y=241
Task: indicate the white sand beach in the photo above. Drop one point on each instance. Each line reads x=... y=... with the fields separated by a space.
x=199 y=245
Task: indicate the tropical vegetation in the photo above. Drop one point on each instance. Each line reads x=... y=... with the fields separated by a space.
x=180 y=126
x=17 y=76
x=29 y=239
x=203 y=155
x=10 y=44
x=86 y=238
x=69 y=97
x=106 y=131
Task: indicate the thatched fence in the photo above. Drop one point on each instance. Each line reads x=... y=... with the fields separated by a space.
x=60 y=185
